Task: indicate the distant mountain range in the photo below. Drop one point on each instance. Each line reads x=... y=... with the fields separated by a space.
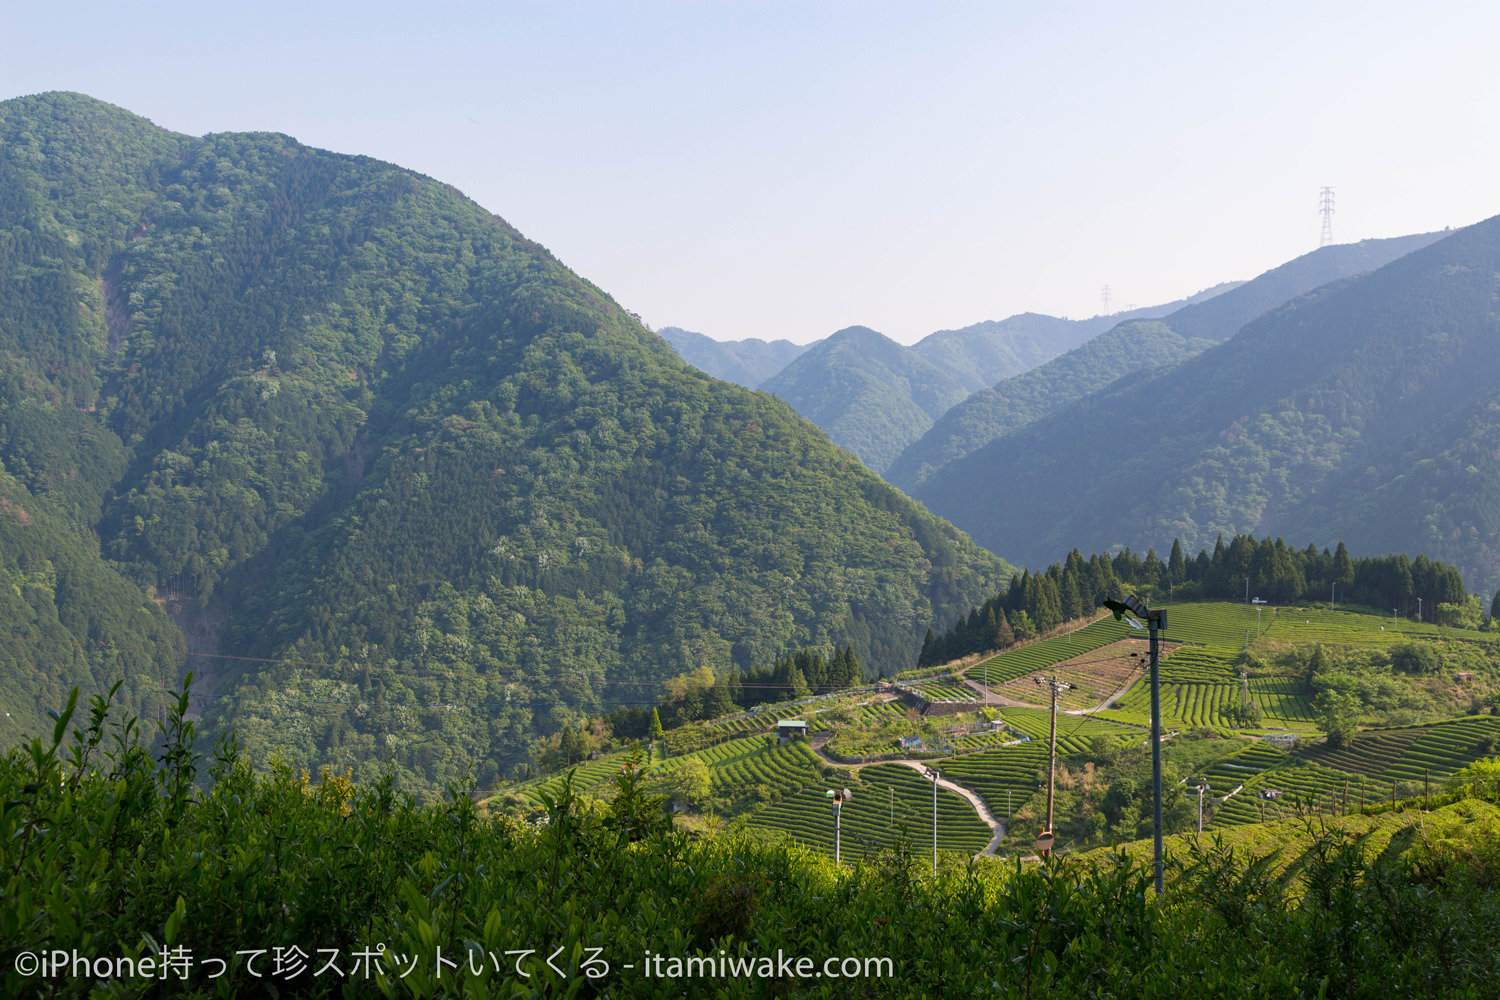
x=1367 y=410
x=1131 y=346
x=875 y=396
x=744 y=362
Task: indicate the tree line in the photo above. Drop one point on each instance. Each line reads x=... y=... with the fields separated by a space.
x=1035 y=603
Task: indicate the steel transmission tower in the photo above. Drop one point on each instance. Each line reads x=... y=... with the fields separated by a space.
x=1104 y=298
x=1325 y=205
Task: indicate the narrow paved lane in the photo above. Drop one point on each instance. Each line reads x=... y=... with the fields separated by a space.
x=997 y=828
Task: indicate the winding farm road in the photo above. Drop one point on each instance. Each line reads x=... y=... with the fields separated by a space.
x=997 y=828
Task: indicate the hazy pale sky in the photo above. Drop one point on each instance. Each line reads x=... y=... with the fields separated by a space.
x=786 y=169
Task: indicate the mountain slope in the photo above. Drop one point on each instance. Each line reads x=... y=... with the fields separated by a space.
x=743 y=362
x=869 y=393
x=874 y=396
x=449 y=494
x=1133 y=345
x=1366 y=410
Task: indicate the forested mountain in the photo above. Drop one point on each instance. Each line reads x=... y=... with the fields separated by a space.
x=441 y=493
x=743 y=362
x=874 y=396
x=869 y=393
x=1367 y=410
x=1133 y=345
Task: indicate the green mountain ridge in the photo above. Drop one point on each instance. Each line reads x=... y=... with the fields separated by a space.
x=867 y=392
x=450 y=494
x=1363 y=410
x=1133 y=345
x=744 y=362
x=875 y=396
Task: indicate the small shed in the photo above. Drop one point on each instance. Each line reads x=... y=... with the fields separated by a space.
x=787 y=728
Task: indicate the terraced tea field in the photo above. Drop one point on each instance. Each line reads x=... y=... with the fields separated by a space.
x=759 y=763
x=1412 y=759
x=1200 y=665
x=1041 y=655
x=885 y=711
x=1298 y=784
x=1369 y=753
x=1445 y=748
x=886 y=797
x=1227 y=773
x=1182 y=705
x=1073 y=731
x=1215 y=623
x=1322 y=625
x=757 y=723
x=586 y=777
x=993 y=773
x=1281 y=699
x=1094 y=676
x=947 y=690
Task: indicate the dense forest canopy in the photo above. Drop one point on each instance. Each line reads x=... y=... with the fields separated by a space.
x=437 y=493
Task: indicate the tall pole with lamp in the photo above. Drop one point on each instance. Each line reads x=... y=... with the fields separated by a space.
x=1155 y=621
x=839 y=798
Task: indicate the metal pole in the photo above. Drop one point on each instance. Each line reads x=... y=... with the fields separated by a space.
x=1153 y=621
x=1200 y=808
x=1051 y=762
x=893 y=806
x=1247 y=590
x=838 y=816
x=935 y=776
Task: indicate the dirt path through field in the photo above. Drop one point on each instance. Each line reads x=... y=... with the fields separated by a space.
x=997 y=828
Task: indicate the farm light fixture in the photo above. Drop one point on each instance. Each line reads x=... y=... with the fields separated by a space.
x=1155 y=622
x=839 y=798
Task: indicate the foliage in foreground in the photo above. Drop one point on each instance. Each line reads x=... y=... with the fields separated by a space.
x=113 y=854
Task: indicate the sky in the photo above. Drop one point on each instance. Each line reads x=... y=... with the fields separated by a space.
x=784 y=170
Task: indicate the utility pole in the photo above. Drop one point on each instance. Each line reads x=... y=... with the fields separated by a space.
x=1325 y=206
x=1201 y=789
x=1247 y=590
x=1055 y=687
